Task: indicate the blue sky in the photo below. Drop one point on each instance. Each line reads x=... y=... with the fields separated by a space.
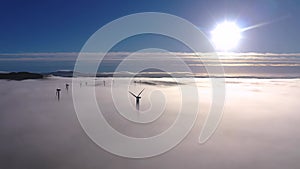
x=64 y=26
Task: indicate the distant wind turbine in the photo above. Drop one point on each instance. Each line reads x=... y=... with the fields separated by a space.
x=58 y=93
x=137 y=99
x=67 y=87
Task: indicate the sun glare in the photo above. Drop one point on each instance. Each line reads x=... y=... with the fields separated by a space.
x=226 y=35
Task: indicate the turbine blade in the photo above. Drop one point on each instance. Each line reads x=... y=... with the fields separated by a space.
x=141 y=92
x=132 y=94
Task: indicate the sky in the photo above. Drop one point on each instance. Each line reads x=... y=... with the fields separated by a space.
x=64 y=26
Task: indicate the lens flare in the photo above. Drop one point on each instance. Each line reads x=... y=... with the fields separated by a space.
x=226 y=35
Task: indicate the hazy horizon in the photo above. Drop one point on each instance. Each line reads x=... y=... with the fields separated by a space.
x=265 y=65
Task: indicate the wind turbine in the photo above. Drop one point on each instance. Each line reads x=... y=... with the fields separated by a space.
x=58 y=93
x=67 y=87
x=137 y=99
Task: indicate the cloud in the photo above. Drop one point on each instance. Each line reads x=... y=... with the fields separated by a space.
x=242 y=64
x=259 y=127
x=122 y=55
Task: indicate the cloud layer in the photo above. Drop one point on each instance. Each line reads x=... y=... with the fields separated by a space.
x=235 y=64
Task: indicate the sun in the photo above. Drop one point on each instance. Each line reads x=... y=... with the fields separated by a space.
x=226 y=36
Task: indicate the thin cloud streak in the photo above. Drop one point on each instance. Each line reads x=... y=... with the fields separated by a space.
x=194 y=59
x=183 y=54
